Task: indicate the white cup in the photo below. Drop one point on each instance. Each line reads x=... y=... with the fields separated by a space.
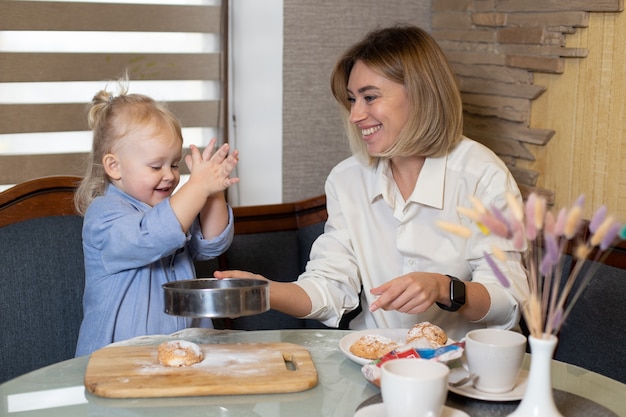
x=414 y=387
x=495 y=356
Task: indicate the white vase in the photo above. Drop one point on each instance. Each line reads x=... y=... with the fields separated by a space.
x=538 y=400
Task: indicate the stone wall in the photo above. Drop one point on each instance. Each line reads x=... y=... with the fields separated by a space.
x=496 y=47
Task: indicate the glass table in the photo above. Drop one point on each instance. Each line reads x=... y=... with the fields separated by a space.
x=58 y=390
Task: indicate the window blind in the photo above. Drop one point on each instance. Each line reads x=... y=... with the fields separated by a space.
x=55 y=55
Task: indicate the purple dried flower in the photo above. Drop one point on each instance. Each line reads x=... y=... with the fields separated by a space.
x=601 y=232
x=551 y=254
x=610 y=236
x=504 y=281
x=557 y=318
x=552 y=249
x=597 y=219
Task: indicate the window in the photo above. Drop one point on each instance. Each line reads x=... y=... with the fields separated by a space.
x=55 y=55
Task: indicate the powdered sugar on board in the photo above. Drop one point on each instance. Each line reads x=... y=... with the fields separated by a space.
x=246 y=368
x=217 y=360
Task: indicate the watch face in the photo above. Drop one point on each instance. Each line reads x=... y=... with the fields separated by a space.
x=457 y=292
x=457 y=295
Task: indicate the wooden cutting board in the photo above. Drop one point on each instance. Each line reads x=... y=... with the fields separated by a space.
x=246 y=368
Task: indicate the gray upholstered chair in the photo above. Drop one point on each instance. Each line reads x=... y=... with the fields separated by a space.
x=593 y=335
x=41 y=275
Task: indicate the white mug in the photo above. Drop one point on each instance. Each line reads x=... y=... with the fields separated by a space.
x=414 y=387
x=495 y=356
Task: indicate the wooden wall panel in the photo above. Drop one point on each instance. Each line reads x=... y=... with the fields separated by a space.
x=553 y=86
x=586 y=106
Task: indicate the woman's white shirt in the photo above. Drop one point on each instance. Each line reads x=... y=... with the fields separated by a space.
x=373 y=235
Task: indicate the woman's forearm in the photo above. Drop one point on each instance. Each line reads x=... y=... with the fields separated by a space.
x=289 y=298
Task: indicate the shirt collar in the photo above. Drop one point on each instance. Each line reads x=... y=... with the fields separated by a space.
x=112 y=189
x=428 y=190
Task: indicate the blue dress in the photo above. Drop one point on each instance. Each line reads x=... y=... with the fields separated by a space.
x=131 y=250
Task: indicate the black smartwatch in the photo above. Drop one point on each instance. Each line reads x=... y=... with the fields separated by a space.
x=457 y=295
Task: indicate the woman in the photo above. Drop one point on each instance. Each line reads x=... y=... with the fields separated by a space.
x=411 y=166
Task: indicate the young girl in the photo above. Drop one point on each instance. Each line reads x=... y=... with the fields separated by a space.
x=137 y=233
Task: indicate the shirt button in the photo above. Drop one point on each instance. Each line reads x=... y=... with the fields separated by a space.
x=411 y=262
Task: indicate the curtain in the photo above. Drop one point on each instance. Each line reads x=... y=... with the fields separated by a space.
x=52 y=115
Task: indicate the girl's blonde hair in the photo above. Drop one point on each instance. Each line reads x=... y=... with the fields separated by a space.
x=409 y=56
x=111 y=118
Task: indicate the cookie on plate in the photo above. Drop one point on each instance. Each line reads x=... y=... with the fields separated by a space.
x=373 y=346
x=426 y=335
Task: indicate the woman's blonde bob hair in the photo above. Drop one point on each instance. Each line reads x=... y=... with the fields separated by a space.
x=409 y=56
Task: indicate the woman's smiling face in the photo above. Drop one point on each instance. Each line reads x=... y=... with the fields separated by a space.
x=380 y=107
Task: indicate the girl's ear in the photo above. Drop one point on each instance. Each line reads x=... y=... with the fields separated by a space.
x=111 y=166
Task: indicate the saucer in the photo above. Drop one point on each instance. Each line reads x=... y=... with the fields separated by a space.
x=515 y=394
x=378 y=410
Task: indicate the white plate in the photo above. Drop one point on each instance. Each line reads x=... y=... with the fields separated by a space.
x=515 y=394
x=398 y=335
x=378 y=410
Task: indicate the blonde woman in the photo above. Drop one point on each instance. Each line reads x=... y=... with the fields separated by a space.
x=381 y=251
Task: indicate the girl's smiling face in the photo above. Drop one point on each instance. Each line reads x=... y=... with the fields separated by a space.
x=145 y=165
x=380 y=107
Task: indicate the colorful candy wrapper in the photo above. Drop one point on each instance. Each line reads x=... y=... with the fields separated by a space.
x=445 y=354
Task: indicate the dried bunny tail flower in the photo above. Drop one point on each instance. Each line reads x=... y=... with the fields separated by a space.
x=582 y=251
x=469 y=213
x=533 y=316
x=601 y=231
x=478 y=206
x=498 y=253
x=610 y=236
x=540 y=212
x=561 y=219
x=494 y=225
x=557 y=319
x=597 y=219
x=517 y=209
x=552 y=252
x=485 y=231
x=519 y=238
x=498 y=214
x=454 y=228
x=549 y=223
x=531 y=230
x=573 y=218
x=504 y=281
